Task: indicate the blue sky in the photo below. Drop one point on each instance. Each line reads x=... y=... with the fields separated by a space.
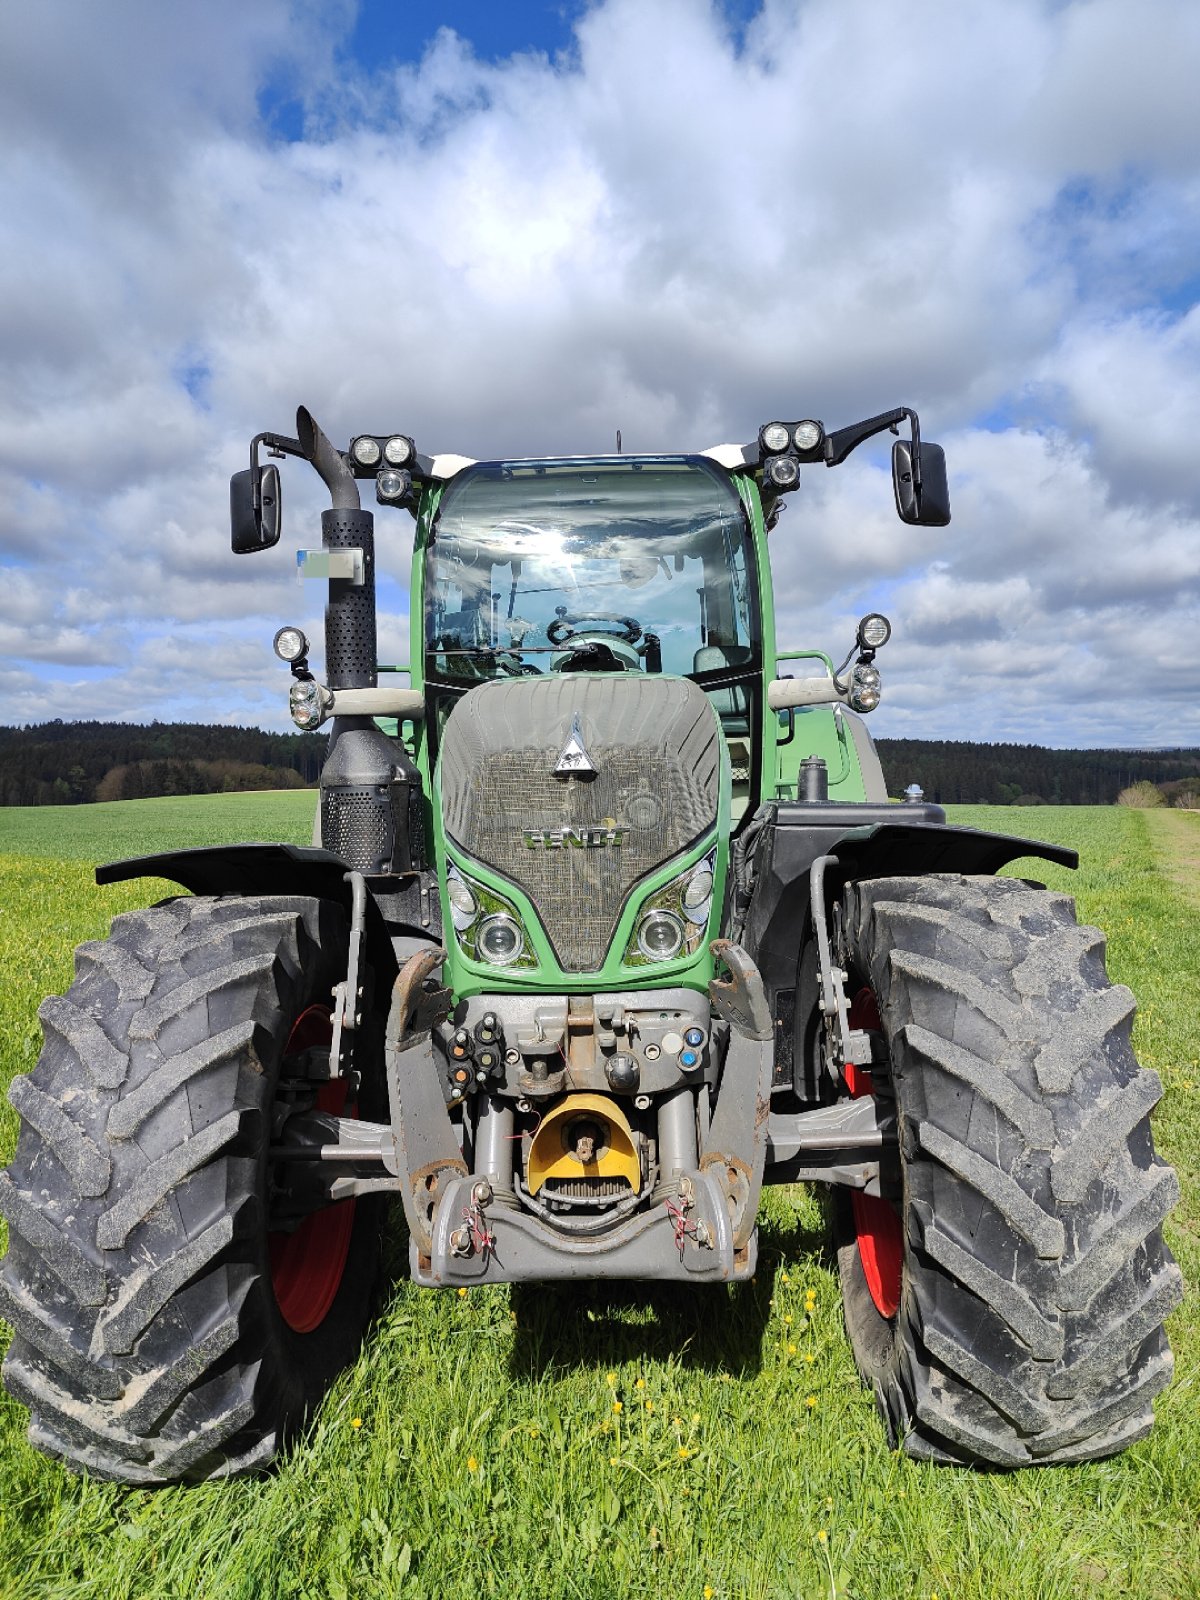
x=515 y=228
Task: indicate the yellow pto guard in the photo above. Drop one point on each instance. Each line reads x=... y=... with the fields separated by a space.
x=585 y=1136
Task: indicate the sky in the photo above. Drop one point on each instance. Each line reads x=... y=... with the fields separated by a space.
x=513 y=229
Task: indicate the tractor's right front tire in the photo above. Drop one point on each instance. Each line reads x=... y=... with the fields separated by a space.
x=167 y=1324
x=1009 y=1310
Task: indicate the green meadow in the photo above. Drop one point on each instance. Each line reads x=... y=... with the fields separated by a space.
x=622 y=1441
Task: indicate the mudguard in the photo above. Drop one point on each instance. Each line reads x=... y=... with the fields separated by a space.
x=869 y=841
x=246 y=869
x=282 y=869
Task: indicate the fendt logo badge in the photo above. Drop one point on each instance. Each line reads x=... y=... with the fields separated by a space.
x=574 y=760
x=573 y=838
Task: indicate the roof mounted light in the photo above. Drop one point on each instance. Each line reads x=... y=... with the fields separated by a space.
x=808 y=435
x=774 y=437
x=782 y=473
x=398 y=451
x=392 y=486
x=365 y=450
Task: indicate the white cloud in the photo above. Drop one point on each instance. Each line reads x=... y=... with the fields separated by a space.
x=990 y=216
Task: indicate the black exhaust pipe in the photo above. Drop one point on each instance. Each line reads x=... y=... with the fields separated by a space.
x=371 y=812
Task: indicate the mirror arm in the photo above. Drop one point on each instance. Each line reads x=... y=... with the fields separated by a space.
x=839 y=444
x=277 y=444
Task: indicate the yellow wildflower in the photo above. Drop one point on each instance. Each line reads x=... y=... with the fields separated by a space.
x=356 y=1422
x=684 y=1452
x=709 y=1591
x=612 y=1461
x=617 y=1406
x=462 y=1294
x=787 y=1321
x=822 y=1537
x=783 y=1278
x=791 y=1349
x=809 y=1357
x=472 y=1464
x=640 y=1384
x=811 y=1401
x=695 y=1416
x=611 y=1380
x=650 y=1407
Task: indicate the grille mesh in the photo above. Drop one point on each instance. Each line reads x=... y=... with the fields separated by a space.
x=656 y=745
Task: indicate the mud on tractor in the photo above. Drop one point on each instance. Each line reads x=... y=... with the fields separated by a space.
x=608 y=922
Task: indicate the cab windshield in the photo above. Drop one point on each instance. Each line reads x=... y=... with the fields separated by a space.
x=632 y=565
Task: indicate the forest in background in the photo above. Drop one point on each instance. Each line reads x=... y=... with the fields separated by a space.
x=956 y=772
x=69 y=763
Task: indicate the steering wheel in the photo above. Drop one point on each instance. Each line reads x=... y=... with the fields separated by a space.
x=565 y=627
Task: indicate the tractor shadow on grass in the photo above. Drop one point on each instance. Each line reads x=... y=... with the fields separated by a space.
x=593 y=1325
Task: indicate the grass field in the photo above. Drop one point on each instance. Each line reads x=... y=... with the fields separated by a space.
x=644 y=1442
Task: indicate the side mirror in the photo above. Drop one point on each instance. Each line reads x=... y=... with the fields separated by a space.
x=254 y=526
x=926 y=505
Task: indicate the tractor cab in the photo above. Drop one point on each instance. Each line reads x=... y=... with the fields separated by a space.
x=595 y=565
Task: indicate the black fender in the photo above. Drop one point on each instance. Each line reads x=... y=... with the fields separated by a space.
x=867 y=844
x=245 y=869
x=273 y=869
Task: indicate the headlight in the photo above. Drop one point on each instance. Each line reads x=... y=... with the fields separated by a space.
x=398 y=451
x=487 y=926
x=697 y=894
x=464 y=907
x=499 y=940
x=672 y=921
x=775 y=437
x=308 y=703
x=365 y=450
x=660 y=936
x=866 y=688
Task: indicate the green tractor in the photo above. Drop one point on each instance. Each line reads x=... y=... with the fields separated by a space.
x=607 y=922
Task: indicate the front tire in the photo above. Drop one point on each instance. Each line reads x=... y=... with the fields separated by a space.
x=157 y=1336
x=1034 y=1279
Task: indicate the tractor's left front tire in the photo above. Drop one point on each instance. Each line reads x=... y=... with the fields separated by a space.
x=166 y=1325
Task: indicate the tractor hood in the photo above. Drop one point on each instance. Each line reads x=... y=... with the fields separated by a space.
x=574 y=789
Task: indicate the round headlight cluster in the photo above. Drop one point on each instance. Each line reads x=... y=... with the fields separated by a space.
x=366 y=451
x=775 y=437
x=305 y=704
x=398 y=451
x=660 y=936
x=866 y=688
x=499 y=939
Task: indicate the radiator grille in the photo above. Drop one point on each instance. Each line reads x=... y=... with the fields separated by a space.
x=655 y=744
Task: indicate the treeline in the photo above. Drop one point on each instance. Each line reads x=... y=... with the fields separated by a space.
x=67 y=763
x=956 y=772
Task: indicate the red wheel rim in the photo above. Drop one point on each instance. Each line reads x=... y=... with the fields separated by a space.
x=307 y=1265
x=876 y=1224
